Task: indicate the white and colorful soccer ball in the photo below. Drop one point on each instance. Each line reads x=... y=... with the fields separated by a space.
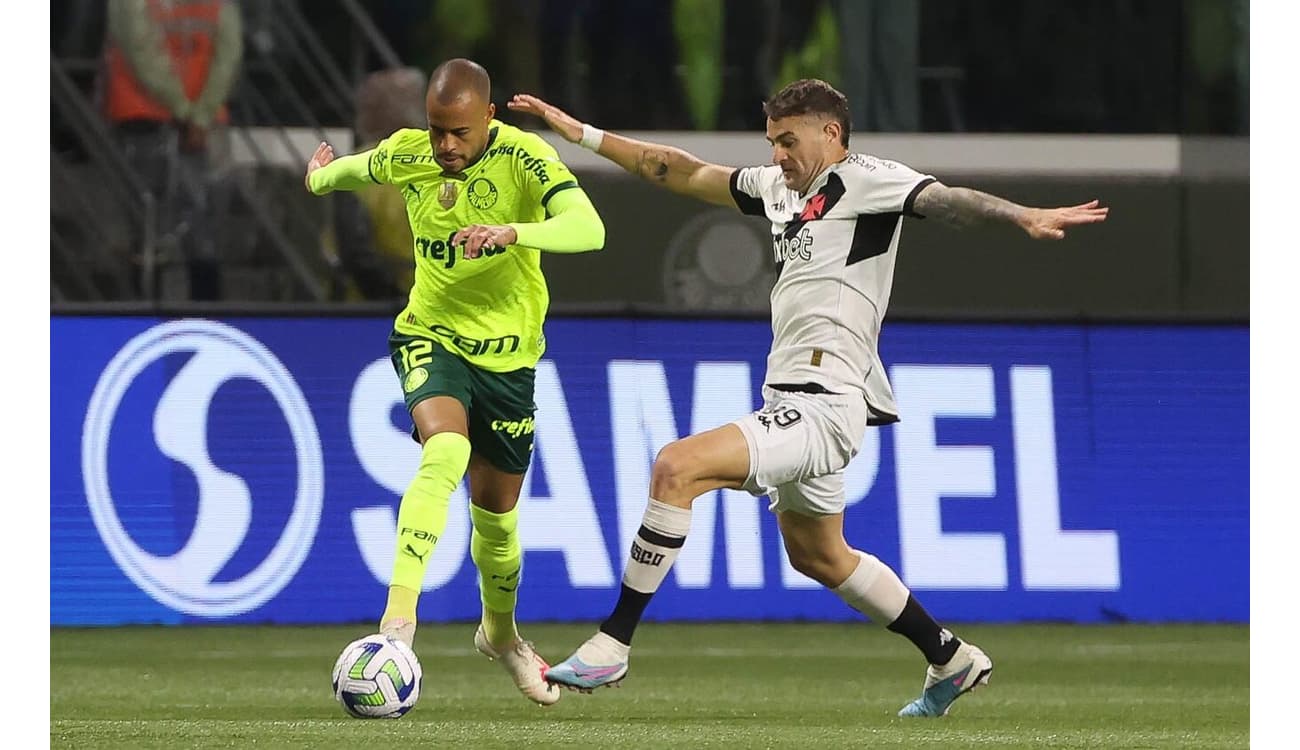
x=377 y=677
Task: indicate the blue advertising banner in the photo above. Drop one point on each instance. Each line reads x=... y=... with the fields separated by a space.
x=249 y=470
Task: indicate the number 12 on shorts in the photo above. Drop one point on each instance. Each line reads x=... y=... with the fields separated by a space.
x=416 y=353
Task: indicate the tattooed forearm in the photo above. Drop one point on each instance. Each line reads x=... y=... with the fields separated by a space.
x=653 y=165
x=963 y=207
x=670 y=168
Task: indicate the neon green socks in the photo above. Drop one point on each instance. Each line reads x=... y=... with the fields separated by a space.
x=494 y=545
x=422 y=517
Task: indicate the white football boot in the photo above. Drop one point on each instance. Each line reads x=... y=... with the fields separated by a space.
x=524 y=666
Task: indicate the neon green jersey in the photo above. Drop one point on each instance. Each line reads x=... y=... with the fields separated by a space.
x=488 y=310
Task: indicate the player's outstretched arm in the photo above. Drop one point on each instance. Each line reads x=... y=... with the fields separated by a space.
x=667 y=166
x=963 y=207
x=573 y=227
x=325 y=173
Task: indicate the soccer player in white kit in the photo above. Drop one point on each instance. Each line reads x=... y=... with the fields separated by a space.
x=836 y=218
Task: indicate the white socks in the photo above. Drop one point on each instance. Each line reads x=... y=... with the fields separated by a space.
x=874 y=590
x=602 y=649
x=655 y=546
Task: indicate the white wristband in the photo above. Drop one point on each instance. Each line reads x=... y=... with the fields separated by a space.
x=591 y=137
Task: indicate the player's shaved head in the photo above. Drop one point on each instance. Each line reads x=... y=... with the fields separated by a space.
x=457 y=79
x=460 y=110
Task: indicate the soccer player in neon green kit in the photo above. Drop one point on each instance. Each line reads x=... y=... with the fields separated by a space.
x=483 y=199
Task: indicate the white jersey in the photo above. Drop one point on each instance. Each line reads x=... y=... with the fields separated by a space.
x=834 y=249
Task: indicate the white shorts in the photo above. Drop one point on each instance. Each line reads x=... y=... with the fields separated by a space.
x=799 y=444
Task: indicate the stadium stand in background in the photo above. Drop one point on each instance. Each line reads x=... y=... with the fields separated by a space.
x=1164 y=114
x=295 y=88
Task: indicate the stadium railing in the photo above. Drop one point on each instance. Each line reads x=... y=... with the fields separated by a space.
x=289 y=74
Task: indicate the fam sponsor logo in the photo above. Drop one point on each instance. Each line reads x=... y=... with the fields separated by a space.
x=507 y=344
x=411 y=158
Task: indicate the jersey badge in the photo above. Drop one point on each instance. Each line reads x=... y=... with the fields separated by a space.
x=482 y=193
x=414 y=379
x=447 y=194
x=815 y=209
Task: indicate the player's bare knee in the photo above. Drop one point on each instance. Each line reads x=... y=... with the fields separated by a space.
x=818 y=569
x=673 y=472
x=813 y=563
x=498 y=502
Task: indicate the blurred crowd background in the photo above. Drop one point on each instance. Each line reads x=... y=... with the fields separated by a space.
x=180 y=127
x=1103 y=66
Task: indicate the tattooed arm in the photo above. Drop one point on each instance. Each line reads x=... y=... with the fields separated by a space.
x=963 y=207
x=666 y=166
x=671 y=168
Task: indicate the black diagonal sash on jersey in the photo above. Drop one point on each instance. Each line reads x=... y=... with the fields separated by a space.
x=874 y=232
x=872 y=235
x=817 y=206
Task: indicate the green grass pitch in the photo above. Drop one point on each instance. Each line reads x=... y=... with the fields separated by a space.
x=716 y=685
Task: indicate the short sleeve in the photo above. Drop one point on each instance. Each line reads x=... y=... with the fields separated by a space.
x=541 y=173
x=747 y=191
x=885 y=186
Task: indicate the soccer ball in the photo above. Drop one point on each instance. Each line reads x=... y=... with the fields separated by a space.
x=377 y=677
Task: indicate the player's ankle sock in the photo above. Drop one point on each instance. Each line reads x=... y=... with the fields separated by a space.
x=499 y=627
x=494 y=547
x=876 y=591
x=422 y=516
x=401 y=604
x=603 y=648
x=655 y=547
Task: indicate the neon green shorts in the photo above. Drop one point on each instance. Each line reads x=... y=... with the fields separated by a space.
x=499 y=405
